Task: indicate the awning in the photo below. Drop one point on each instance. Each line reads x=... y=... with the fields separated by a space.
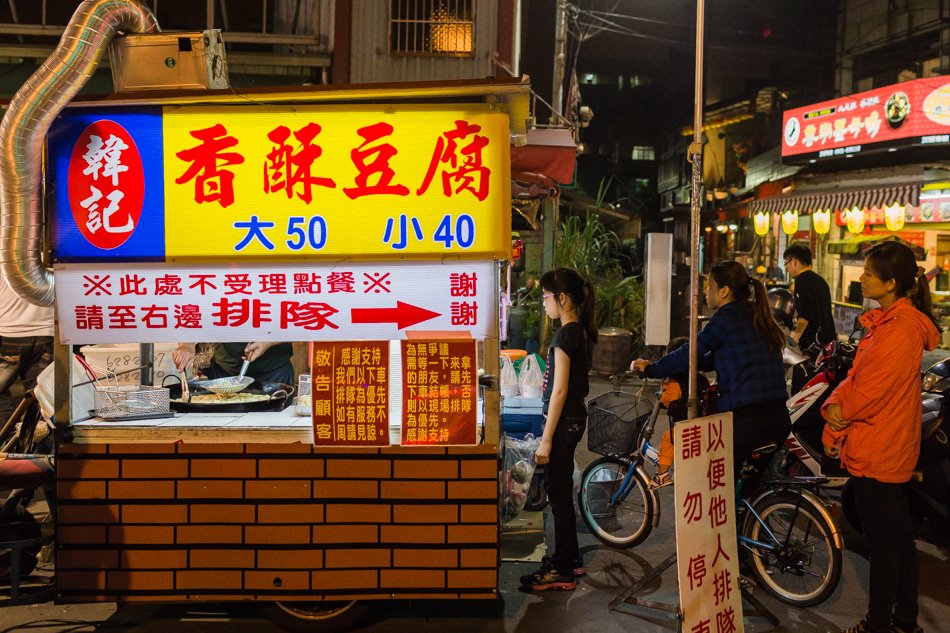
x=875 y=197
x=549 y=153
x=860 y=244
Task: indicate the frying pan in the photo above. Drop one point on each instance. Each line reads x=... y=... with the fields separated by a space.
x=281 y=396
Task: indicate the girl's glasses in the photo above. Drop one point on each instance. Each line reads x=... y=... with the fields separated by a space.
x=545 y=295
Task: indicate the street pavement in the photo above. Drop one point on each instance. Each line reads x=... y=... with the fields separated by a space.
x=610 y=573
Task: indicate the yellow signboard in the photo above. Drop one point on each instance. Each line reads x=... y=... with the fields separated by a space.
x=325 y=182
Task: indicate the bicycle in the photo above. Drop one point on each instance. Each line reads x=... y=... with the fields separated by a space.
x=26 y=464
x=619 y=427
x=792 y=547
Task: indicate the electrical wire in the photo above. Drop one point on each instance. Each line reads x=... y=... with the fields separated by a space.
x=605 y=24
x=686 y=45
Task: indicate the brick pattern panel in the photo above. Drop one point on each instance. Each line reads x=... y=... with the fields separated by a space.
x=159 y=522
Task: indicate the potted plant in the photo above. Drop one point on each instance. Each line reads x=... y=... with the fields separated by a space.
x=596 y=253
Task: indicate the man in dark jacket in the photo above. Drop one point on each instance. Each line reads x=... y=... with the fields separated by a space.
x=812 y=299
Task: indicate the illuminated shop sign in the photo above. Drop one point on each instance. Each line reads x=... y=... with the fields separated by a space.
x=295 y=182
x=910 y=113
x=273 y=302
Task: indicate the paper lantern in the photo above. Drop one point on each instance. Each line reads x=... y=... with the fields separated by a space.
x=856 y=219
x=790 y=221
x=894 y=217
x=821 y=220
x=761 y=220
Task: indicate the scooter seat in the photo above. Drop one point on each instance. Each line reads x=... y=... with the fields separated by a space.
x=26 y=473
x=797 y=481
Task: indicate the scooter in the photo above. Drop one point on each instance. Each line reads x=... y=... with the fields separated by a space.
x=804 y=455
x=931 y=492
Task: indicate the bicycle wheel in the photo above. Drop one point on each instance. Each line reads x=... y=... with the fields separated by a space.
x=628 y=522
x=316 y=617
x=804 y=572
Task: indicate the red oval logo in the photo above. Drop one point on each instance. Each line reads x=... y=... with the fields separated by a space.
x=106 y=184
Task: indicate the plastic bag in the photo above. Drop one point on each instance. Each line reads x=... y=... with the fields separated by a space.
x=531 y=378
x=519 y=470
x=509 y=378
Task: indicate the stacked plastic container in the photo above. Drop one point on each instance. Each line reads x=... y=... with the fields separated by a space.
x=521 y=400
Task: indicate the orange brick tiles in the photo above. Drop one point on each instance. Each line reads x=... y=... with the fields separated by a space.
x=254 y=521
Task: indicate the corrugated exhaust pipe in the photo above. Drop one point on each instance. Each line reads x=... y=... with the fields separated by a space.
x=26 y=122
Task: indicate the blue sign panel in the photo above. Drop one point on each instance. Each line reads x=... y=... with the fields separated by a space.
x=106 y=185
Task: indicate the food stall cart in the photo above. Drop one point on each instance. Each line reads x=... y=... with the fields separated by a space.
x=371 y=221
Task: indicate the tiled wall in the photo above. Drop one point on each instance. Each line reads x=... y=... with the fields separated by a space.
x=275 y=521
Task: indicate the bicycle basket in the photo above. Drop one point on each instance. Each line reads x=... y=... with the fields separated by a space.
x=614 y=420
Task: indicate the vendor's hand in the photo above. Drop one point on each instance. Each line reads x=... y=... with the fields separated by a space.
x=640 y=365
x=543 y=454
x=835 y=418
x=832 y=451
x=255 y=350
x=183 y=355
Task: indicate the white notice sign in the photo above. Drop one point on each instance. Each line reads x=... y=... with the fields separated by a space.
x=147 y=303
x=706 y=552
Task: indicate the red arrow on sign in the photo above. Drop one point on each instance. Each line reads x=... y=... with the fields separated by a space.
x=403 y=315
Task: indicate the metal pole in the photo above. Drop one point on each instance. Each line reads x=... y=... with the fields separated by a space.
x=695 y=200
x=560 y=60
x=209 y=14
x=147 y=362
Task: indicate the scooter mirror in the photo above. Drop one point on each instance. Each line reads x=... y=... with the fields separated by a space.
x=857 y=330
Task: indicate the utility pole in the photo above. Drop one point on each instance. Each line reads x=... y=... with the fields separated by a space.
x=695 y=156
x=560 y=60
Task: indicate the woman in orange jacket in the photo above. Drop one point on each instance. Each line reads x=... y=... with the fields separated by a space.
x=874 y=427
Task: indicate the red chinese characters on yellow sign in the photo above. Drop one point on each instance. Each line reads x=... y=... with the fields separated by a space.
x=457 y=155
x=350 y=393
x=330 y=181
x=438 y=392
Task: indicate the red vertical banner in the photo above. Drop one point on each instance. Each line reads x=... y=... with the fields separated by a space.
x=438 y=392
x=350 y=393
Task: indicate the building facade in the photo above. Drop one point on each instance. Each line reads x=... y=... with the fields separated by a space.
x=870 y=163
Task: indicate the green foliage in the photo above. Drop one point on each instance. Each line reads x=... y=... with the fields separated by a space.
x=530 y=300
x=621 y=304
x=588 y=247
x=598 y=254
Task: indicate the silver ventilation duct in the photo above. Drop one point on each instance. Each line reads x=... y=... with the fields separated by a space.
x=28 y=118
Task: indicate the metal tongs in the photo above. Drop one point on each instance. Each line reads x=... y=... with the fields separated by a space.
x=229 y=384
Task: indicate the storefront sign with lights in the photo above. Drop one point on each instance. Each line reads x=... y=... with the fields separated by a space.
x=910 y=113
x=925 y=213
x=917 y=238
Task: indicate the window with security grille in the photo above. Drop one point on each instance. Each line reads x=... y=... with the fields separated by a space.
x=432 y=27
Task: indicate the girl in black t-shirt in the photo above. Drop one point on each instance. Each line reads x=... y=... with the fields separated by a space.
x=570 y=299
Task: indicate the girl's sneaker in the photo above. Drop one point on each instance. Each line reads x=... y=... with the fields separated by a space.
x=661 y=479
x=550 y=579
x=860 y=627
x=545 y=567
x=579 y=569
